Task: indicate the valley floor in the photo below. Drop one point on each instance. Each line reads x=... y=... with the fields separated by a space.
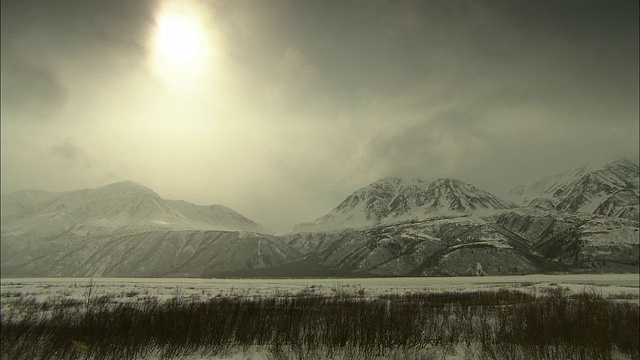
x=132 y=289
x=509 y=317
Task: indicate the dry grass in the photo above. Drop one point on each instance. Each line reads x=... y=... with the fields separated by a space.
x=507 y=324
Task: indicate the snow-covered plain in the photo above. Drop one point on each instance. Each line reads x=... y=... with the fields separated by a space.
x=621 y=287
x=133 y=289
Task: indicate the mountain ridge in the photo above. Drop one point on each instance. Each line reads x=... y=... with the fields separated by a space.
x=124 y=204
x=394 y=199
x=588 y=191
x=392 y=227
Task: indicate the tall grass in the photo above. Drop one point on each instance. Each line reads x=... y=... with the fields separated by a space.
x=506 y=324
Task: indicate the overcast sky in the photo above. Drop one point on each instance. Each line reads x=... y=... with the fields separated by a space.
x=283 y=108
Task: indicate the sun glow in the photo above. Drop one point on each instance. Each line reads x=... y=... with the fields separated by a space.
x=180 y=45
x=178 y=40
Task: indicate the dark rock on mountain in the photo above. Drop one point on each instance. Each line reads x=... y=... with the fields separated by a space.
x=622 y=204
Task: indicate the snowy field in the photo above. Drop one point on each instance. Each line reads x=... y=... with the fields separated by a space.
x=18 y=294
x=132 y=289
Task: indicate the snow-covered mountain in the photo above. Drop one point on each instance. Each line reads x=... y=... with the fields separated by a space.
x=581 y=221
x=170 y=253
x=391 y=200
x=512 y=241
x=123 y=206
x=126 y=229
x=612 y=190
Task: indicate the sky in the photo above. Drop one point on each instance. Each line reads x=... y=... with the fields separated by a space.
x=280 y=109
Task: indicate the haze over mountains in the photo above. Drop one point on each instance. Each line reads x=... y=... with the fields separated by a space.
x=123 y=205
x=580 y=221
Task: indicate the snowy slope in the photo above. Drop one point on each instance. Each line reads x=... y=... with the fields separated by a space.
x=511 y=241
x=24 y=203
x=545 y=187
x=448 y=227
x=392 y=200
x=123 y=206
x=218 y=217
x=126 y=229
x=574 y=222
x=186 y=253
x=612 y=190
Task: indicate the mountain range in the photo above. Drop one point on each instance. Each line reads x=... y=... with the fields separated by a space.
x=123 y=205
x=584 y=220
x=611 y=191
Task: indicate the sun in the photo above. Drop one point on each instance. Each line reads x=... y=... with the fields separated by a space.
x=180 y=45
x=178 y=40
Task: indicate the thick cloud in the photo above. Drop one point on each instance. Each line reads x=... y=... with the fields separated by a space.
x=304 y=102
x=32 y=85
x=71 y=154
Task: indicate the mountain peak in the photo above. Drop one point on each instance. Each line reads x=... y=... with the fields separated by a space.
x=587 y=191
x=446 y=194
x=389 y=181
x=448 y=182
x=393 y=199
x=125 y=185
x=124 y=205
x=392 y=179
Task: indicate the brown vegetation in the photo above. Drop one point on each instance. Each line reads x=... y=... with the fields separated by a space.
x=506 y=324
